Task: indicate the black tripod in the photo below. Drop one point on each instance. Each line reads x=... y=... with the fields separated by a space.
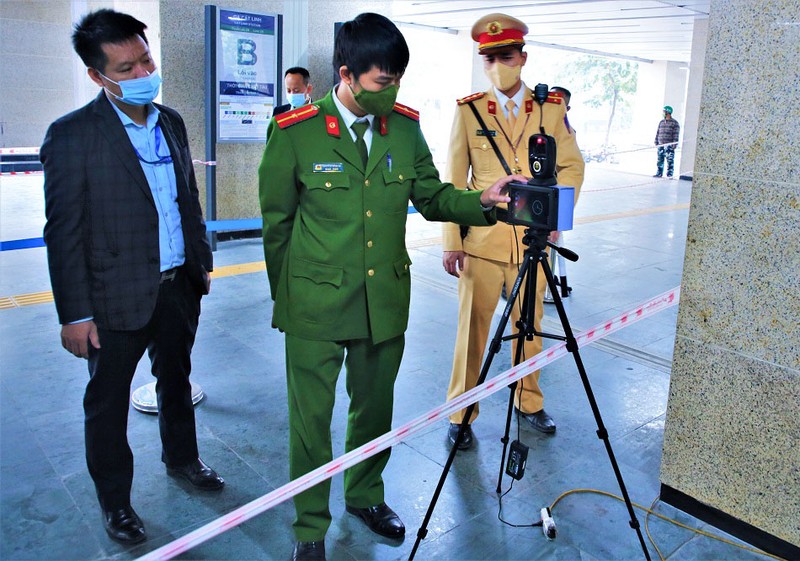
x=535 y=242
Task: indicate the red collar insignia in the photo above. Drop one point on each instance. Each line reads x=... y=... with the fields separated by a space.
x=332 y=126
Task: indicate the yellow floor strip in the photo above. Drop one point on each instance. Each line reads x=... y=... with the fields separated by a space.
x=33 y=298
x=10 y=302
x=629 y=213
x=239 y=269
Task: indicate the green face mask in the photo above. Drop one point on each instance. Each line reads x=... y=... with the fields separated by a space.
x=378 y=103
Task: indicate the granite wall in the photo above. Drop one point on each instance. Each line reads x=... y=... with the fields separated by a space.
x=732 y=435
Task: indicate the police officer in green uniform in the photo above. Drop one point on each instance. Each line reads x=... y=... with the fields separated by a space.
x=334 y=186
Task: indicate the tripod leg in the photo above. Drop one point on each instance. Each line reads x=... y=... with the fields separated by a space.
x=602 y=433
x=525 y=327
x=494 y=348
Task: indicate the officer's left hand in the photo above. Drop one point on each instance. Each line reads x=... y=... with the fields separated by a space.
x=497 y=192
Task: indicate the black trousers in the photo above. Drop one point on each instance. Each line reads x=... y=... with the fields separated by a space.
x=168 y=337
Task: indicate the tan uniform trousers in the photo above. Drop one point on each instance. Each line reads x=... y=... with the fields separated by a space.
x=478 y=293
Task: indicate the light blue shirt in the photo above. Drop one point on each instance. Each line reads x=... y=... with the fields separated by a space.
x=148 y=139
x=502 y=99
x=349 y=118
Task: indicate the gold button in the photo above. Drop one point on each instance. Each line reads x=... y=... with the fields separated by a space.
x=371 y=272
x=483 y=146
x=328 y=184
x=369 y=243
x=369 y=214
x=400 y=177
x=366 y=182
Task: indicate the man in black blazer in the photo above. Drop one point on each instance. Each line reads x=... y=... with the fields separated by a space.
x=128 y=258
x=297 y=81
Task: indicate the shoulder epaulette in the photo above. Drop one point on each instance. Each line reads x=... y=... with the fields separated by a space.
x=407 y=111
x=469 y=98
x=554 y=97
x=295 y=116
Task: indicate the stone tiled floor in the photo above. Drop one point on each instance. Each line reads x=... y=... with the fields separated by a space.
x=630 y=236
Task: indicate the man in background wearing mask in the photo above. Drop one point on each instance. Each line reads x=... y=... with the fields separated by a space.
x=667 y=136
x=334 y=184
x=298 y=89
x=487 y=259
x=128 y=258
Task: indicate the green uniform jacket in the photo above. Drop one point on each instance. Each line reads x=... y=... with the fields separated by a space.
x=334 y=234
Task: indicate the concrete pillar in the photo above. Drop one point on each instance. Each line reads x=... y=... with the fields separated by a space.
x=732 y=435
x=688 y=146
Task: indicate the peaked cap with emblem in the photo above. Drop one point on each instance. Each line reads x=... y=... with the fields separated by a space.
x=494 y=31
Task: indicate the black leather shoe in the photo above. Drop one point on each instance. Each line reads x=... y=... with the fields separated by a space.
x=309 y=551
x=198 y=474
x=380 y=519
x=124 y=525
x=541 y=421
x=466 y=438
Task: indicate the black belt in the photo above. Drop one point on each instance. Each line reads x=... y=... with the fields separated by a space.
x=168 y=275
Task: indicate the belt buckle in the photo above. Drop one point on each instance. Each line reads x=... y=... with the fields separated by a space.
x=168 y=275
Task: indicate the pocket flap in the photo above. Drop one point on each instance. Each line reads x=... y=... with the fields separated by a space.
x=326 y=181
x=319 y=273
x=401 y=266
x=399 y=175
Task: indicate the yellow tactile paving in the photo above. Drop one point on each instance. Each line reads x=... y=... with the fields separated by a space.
x=629 y=213
x=9 y=302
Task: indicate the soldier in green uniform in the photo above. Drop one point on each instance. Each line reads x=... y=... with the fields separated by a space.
x=334 y=186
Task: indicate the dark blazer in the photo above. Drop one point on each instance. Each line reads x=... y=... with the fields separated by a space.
x=102 y=223
x=281 y=109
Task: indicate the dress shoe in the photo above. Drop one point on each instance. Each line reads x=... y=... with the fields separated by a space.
x=541 y=421
x=380 y=519
x=309 y=551
x=466 y=438
x=198 y=474
x=124 y=525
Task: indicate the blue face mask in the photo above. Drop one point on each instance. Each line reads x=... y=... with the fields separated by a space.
x=297 y=99
x=138 y=91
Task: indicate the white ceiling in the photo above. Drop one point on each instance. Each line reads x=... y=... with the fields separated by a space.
x=638 y=29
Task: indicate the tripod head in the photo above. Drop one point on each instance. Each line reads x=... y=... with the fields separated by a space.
x=535 y=240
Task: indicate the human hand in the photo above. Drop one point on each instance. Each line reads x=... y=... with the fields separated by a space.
x=453 y=262
x=75 y=337
x=497 y=192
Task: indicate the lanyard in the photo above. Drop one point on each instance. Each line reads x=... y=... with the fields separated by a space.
x=514 y=145
x=161 y=159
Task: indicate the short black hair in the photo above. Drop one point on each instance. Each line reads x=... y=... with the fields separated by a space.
x=101 y=27
x=563 y=91
x=299 y=70
x=370 y=40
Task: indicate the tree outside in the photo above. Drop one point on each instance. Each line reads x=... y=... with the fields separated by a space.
x=603 y=82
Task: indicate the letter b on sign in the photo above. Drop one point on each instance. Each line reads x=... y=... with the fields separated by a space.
x=246 y=52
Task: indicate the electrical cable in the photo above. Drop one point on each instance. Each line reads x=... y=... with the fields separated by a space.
x=650 y=511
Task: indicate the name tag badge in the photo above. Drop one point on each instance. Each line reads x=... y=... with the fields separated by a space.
x=481 y=132
x=328 y=167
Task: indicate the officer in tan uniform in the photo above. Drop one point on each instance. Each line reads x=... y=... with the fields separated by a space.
x=488 y=257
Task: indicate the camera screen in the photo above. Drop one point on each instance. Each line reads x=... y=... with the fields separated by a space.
x=530 y=207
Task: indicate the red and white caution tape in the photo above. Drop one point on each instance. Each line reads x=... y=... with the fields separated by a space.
x=36 y=172
x=26 y=151
x=495 y=384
